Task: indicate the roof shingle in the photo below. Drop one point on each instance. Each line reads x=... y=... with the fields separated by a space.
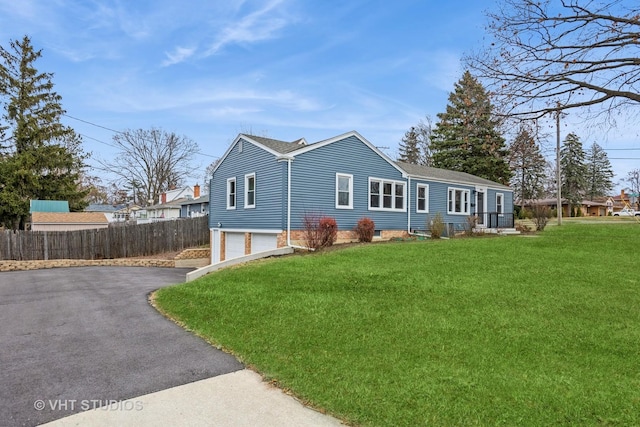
x=68 y=218
x=446 y=175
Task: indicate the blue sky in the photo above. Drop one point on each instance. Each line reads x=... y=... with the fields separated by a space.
x=280 y=68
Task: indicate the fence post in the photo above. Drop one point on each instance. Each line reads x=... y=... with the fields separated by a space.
x=46 y=246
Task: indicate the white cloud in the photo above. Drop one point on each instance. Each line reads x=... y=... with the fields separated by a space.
x=257 y=26
x=178 y=55
x=444 y=69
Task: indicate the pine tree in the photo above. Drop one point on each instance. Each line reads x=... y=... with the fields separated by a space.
x=573 y=170
x=415 y=147
x=466 y=138
x=599 y=172
x=528 y=167
x=409 y=150
x=42 y=158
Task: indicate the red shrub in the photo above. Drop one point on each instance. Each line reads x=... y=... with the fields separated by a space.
x=328 y=231
x=365 y=229
x=319 y=232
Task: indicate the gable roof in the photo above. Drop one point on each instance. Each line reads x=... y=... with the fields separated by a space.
x=281 y=147
x=174 y=204
x=48 y=206
x=68 y=218
x=202 y=199
x=447 y=175
x=98 y=207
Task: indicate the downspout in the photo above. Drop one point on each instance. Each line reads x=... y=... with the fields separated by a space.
x=289 y=160
x=289 y=202
x=409 y=205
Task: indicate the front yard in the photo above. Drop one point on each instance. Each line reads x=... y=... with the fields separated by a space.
x=490 y=331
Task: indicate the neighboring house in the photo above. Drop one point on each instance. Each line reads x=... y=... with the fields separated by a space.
x=195 y=207
x=165 y=211
x=108 y=210
x=262 y=189
x=170 y=205
x=587 y=207
x=623 y=200
x=127 y=212
x=66 y=221
x=179 y=193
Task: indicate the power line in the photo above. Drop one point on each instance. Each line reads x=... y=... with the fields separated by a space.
x=93 y=124
x=120 y=132
x=97 y=140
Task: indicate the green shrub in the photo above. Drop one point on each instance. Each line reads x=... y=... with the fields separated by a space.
x=365 y=229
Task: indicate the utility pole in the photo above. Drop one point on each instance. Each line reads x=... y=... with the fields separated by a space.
x=558 y=176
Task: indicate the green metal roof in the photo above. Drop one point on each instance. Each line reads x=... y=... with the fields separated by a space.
x=48 y=206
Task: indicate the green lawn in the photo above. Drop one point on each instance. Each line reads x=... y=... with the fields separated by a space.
x=540 y=330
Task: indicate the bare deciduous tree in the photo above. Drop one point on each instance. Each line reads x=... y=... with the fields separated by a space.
x=153 y=159
x=549 y=55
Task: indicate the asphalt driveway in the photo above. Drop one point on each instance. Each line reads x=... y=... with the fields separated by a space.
x=73 y=339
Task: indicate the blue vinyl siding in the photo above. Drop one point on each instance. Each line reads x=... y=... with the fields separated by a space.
x=269 y=190
x=438 y=194
x=314 y=184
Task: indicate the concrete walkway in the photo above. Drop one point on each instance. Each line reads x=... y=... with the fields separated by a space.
x=237 y=399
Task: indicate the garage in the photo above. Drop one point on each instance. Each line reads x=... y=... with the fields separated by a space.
x=261 y=242
x=234 y=245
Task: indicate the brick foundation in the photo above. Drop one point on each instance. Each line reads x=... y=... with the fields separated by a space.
x=344 y=236
x=247 y=243
x=223 y=245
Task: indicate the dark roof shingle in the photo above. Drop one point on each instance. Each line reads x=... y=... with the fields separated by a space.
x=281 y=147
x=446 y=175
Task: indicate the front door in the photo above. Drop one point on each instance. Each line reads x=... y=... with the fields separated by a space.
x=480 y=207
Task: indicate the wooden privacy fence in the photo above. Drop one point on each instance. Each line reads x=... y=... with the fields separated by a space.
x=106 y=243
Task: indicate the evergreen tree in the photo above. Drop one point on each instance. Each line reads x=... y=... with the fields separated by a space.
x=41 y=158
x=466 y=138
x=599 y=172
x=409 y=149
x=573 y=170
x=415 y=147
x=528 y=167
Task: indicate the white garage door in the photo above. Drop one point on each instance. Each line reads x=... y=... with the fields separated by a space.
x=234 y=245
x=263 y=242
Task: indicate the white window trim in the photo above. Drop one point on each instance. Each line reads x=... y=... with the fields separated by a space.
x=235 y=194
x=393 y=195
x=500 y=196
x=246 y=190
x=467 y=205
x=426 y=198
x=350 y=177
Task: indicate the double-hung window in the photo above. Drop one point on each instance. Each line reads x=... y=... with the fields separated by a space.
x=386 y=195
x=344 y=191
x=250 y=191
x=231 y=193
x=500 y=203
x=422 y=198
x=458 y=201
